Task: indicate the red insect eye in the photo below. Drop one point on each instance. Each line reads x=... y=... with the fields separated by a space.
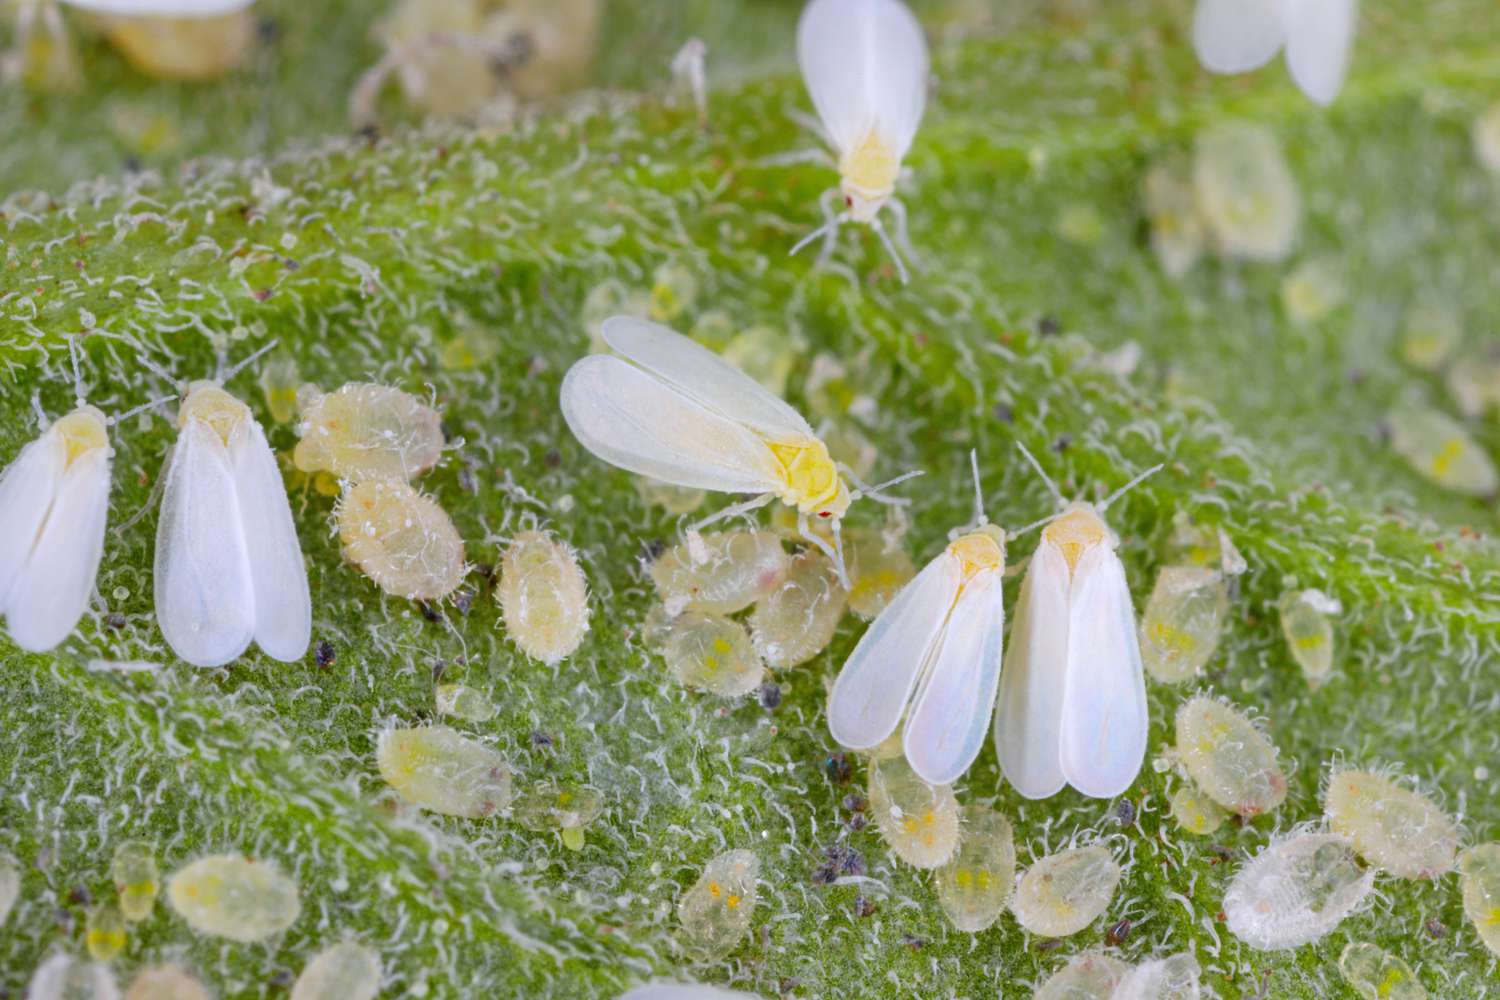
x=825 y=513
x=848 y=201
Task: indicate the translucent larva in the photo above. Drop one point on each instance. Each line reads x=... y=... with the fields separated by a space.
x=346 y=971
x=1197 y=813
x=234 y=897
x=104 y=932
x=401 y=539
x=1296 y=891
x=166 y=982
x=464 y=702
x=1183 y=621
x=1172 y=978
x=1479 y=881
x=556 y=806
x=177 y=41
x=684 y=991
x=10 y=885
x=672 y=499
x=879 y=566
x=796 y=621
x=1431 y=332
x=1441 y=450
x=865 y=64
x=715 y=913
x=1473 y=382
x=1308 y=628
x=280 y=384
x=1313 y=289
x=437 y=769
x=1393 y=828
x=918 y=821
x=974 y=885
x=1231 y=36
x=720 y=572
x=543 y=596
x=136 y=877
x=1230 y=760
x=1063 y=893
x=229 y=568
x=1246 y=193
x=367 y=431
x=1376 y=974
x=1091 y=975
x=63 y=977
x=1177 y=232
x=549 y=44
x=674 y=290
x=54 y=501
x=765 y=354
x=1486 y=138
x=708 y=652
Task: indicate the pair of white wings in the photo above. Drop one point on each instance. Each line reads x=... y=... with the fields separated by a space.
x=1235 y=36
x=52 y=518
x=229 y=568
x=1072 y=706
x=161 y=8
x=937 y=646
x=677 y=412
x=866 y=65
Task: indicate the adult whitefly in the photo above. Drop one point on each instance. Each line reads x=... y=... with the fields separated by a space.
x=1235 y=36
x=1063 y=893
x=1396 y=829
x=1295 y=891
x=235 y=897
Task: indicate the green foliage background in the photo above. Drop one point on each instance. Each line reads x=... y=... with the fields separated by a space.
x=377 y=252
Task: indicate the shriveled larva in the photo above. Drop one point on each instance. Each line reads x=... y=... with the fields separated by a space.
x=63 y=977
x=1431 y=332
x=346 y=971
x=1473 y=381
x=715 y=913
x=437 y=769
x=1441 y=450
x=1091 y=975
x=1246 y=193
x=166 y=982
x=401 y=539
x=796 y=621
x=1234 y=37
x=879 y=566
x=104 y=932
x=1177 y=233
x=464 y=702
x=708 y=652
x=1479 y=880
x=974 y=885
x=1172 y=978
x=1183 y=621
x=1398 y=830
x=195 y=48
x=367 y=431
x=280 y=382
x=1486 y=137
x=550 y=43
x=136 y=877
x=721 y=572
x=556 y=806
x=918 y=821
x=1230 y=760
x=234 y=897
x=543 y=596
x=1196 y=812
x=1376 y=974
x=1063 y=893
x=1295 y=891
x=1313 y=289
x=10 y=885
x=1308 y=629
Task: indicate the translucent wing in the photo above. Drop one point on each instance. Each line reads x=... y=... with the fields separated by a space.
x=950 y=716
x=1104 y=705
x=704 y=377
x=1234 y=36
x=871 y=692
x=161 y=8
x=1318 y=38
x=205 y=601
x=60 y=575
x=1028 y=715
x=866 y=66
x=27 y=489
x=634 y=420
x=283 y=609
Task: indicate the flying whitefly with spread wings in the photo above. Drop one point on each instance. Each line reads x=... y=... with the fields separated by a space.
x=1235 y=36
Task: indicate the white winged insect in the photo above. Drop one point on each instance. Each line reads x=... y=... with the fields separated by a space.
x=936 y=647
x=229 y=567
x=54 y=501
x=1236 y=36
x=1072 y=705
x=865 y=64
x=673 y=410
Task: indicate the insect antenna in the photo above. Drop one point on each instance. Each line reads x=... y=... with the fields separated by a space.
x=832 y=225
x=157 y=370
x=246 y=363
x=877 y=492
x=1057 y=498
x=890 y=248
x=1117 y=494
x=121 y=418
x=77 y=373
x=980 y=518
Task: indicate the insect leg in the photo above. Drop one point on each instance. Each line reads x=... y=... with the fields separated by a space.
x=733 y=510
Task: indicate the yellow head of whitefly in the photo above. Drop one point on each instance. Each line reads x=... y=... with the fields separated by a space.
x=810 y=478
x=84 y=430
x=208 y=403
x=867 y=173
x=1076 y=530
x=980 y=551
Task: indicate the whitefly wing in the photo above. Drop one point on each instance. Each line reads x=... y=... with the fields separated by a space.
x=866 y=67
x=283 y=608
x=161 y=8
x=27 y=489
x=1235 y=36
x=871 y=691
x=635 y=420
x=1104 y=705
x=1319 y=34
x=950 y=715
x=1028 y=714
